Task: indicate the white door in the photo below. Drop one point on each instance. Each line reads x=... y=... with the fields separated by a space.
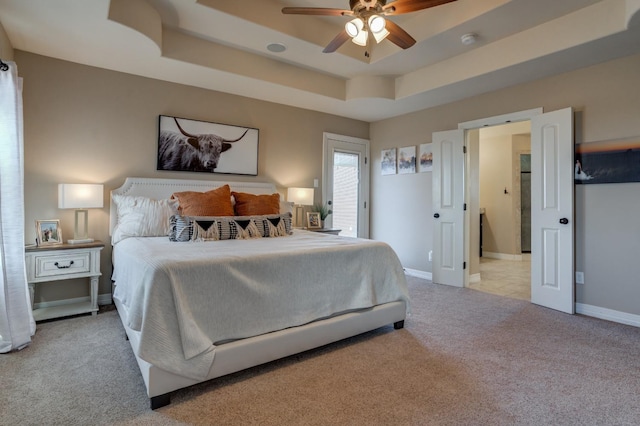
x=552 y=260
x=448 y=208
x=346 y=184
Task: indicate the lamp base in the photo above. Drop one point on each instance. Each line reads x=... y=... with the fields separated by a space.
x=82 y=241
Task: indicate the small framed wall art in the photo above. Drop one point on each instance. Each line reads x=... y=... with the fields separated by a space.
x=407 y=160
x=48 y=232
x=388 y=163
x=425 y=158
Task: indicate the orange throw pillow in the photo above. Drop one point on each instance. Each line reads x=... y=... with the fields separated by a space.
x=216 y=202
x=255 y=205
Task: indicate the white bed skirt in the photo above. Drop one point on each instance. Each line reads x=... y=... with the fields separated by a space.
x=246 y=353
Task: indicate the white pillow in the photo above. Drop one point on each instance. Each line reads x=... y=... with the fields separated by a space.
x=141 y=217
x=286 y=207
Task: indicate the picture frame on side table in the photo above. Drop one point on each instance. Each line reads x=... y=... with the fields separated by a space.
x=313 y=220
x=48 y=232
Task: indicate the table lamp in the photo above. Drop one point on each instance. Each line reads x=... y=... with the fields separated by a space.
x=300 y=197
x=80 y=197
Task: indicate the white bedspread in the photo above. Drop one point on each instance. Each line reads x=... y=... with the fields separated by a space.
x=185 y=298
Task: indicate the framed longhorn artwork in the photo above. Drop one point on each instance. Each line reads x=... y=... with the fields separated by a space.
x=200 y=146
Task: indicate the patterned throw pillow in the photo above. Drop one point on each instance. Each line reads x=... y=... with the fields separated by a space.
x=211 y=228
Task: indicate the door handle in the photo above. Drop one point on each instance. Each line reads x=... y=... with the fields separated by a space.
x=436 y=215
x=564 y=221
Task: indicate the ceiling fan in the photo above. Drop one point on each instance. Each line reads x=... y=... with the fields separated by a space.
x=369 y=17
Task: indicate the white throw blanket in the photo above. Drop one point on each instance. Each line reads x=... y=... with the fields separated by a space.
x=185 y=298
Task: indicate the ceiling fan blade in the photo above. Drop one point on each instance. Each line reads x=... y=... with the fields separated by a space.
x=337 y=42
x=315 y=11
x=405 y=6
x=398 y=36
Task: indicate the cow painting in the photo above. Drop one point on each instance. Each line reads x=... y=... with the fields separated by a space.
x=191 y=152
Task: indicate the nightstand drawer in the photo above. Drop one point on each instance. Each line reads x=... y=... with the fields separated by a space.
x=62 y=264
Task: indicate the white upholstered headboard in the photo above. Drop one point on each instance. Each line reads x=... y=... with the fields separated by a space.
x=163 y=188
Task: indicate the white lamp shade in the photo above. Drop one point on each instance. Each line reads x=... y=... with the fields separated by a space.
x=377 y=23
x=80 y=196
x=361 y=38
x=300 y=196
x=354 y=27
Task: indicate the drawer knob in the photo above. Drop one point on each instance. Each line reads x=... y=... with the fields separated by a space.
x=63 y=267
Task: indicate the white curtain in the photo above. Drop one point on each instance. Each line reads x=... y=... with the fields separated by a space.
x=16 y=320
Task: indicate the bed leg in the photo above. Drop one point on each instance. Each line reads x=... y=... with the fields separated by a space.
x=160 y=401
x=398 y=325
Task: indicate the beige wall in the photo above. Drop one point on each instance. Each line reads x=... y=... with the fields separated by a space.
x=496 y=177
x=90 y=125
x=606 y=98
x=6 y=50
x=84 y=124
x=499 y=164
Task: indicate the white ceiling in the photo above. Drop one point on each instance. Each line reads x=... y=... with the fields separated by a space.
x=222 y=45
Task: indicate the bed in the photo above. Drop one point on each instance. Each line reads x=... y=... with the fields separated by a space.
x=203 y=308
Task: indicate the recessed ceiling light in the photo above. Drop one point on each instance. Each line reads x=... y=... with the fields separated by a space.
x=468 y=39
x=276 y=47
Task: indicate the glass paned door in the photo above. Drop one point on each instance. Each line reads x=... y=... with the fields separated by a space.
x=345 y=184
x=345 y=193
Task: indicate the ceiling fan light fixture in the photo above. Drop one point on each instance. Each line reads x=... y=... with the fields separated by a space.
x=378 y=27
x=354 y=27
x=377 y=24
x=361 y=38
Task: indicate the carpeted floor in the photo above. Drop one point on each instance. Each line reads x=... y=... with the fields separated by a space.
x=464 y=358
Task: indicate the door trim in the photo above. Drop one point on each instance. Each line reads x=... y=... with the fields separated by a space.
x=525 y=115
x=365 y=177
x=501 y=119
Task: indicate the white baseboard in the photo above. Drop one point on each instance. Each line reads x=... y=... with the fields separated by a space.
x=608 y=314
x=502 y=256
x=103 y=299
x=418 y=274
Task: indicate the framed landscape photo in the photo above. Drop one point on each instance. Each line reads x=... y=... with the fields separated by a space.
x=200 y=146
x=313 y=220
x=615 y=161
x=48 y=232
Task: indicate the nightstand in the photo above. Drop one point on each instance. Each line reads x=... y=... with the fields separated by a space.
x=332 y=231
x=63 y=262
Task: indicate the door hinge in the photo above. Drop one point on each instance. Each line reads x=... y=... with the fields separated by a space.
x=365 y=204
x=464 y=149
x=464 y=265
x=465 y=207
x=365 y=160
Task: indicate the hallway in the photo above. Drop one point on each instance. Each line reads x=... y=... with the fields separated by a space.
x=510 y=278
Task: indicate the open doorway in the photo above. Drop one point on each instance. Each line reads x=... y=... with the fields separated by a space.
x=552 y=205
x=503 y=194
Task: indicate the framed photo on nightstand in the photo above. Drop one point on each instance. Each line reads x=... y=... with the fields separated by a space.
x=313 y=220
x=48 y=232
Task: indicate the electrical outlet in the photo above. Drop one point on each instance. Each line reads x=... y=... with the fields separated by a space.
x=579 y=277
